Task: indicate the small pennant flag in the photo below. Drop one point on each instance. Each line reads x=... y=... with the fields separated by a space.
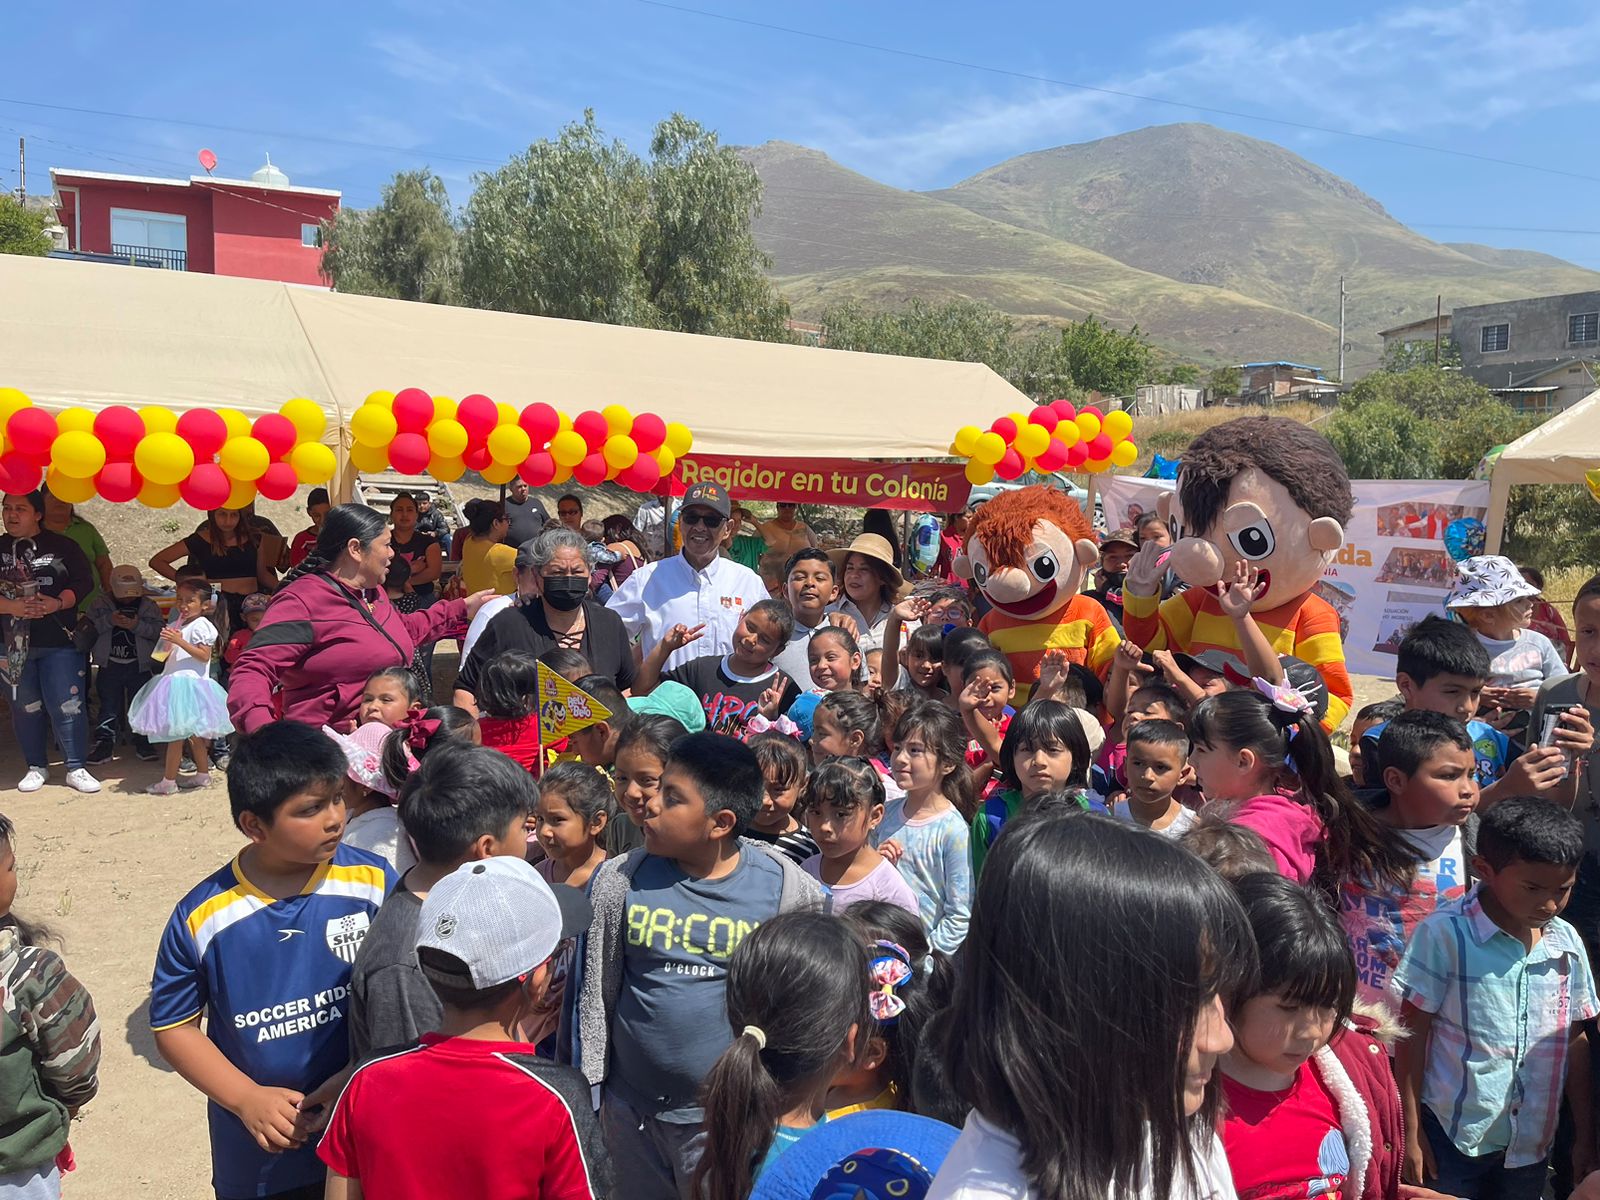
x=565 y=708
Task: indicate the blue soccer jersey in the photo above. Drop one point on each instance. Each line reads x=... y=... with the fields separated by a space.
x=272 y=978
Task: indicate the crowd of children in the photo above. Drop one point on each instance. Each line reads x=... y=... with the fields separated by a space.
x=1149 y=934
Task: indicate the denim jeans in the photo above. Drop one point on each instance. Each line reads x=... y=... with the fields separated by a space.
x=53 y=692
x=1478 y=1177
x=116 y=684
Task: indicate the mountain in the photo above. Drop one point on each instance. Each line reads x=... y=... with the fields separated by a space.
x=1220 y=246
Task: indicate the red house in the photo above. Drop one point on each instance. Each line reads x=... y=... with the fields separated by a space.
x=257 y=228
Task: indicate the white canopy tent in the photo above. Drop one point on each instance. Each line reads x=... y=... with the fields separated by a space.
x=1559 y=451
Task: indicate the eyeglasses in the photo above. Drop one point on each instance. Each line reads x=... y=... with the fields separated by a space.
x=709 y=519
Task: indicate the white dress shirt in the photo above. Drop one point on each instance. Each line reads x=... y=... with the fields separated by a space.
x=670 y=592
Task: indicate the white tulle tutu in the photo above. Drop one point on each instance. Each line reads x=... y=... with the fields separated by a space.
x=182 y=705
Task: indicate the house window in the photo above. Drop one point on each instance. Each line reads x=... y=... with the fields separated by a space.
x=150 y=239
x=311 y=236
x=1583 y=327
x=1496 y=338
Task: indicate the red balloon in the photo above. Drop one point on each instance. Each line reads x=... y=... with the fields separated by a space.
x=539 y=421
x=413 y=409
x=1044 y=417
x=643 y=475
x=204 y=430
x=279 y=482
x=1099 y=447
x=31 y=431
x=476 y=458
x=1006 y=428
x=1094 y=412
x=648 y=432
x=1011 y=466
x=278 y=434
x=1054 y=456
x=19 y=474
x=409 y=453
x=478 y=415
x=538 y=468
x=119 y=481
x=1077 y=455
x=1063 y=409
x=592 y=470
x=206 y=488
x=592 y=428
x=119 y=429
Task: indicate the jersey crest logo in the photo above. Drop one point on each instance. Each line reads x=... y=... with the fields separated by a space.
x=345 y=935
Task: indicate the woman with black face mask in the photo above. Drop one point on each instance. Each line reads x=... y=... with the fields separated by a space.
x=552 y=607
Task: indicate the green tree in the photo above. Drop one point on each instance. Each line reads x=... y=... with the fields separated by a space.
x=1225 y=381
x=22 y=230
x=1476 y=428
x=703 y=272
x=1180 y=375
x=1403 y=356
x=1384 y=440
x=407 y=248
x=1430 y=392
x=1105 y=360
x=1552 y=526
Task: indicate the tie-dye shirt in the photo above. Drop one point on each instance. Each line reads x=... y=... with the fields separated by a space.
x=937 y=865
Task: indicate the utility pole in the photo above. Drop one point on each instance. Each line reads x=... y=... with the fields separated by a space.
x=1438 y=325
x=22 y=170
x=1342 y=294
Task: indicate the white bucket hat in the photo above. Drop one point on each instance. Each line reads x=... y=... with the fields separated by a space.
x=1488 y=581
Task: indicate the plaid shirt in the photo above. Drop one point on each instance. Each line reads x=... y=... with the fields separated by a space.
x=1496 y=1062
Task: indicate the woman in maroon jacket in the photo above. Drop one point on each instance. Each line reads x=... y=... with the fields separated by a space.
x=330 y=625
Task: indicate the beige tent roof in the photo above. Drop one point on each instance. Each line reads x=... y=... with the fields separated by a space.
x=1559 y=451
x=95 y=334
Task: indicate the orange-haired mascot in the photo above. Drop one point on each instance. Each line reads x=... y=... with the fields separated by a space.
x=1027 y=550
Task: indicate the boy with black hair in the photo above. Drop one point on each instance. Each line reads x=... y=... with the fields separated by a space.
x=1496 y=987
x=668 y=916
x=472 y=1110
x=1157 y=765
x=1426 y=765
x=464 y=804
x=1442 y=667
x=1367 y=717
x=263 y=949
x=730 y=686
x=597 y=744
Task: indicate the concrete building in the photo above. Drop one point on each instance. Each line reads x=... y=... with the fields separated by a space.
x=1540 y=353
x=1417 y=333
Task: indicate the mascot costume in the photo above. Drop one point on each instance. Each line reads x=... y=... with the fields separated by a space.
x=1027 y=551
x=1270 y=492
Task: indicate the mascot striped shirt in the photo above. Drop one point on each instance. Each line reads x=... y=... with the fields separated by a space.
x=1081 y=627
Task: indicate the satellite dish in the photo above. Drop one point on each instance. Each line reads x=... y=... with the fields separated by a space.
x=208 y=160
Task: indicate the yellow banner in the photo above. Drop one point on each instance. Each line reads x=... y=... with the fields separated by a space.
x=565 y=708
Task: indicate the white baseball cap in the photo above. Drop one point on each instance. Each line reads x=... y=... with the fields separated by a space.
x=499 y=918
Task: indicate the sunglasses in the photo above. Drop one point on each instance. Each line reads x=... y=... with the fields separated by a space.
x=709 y=519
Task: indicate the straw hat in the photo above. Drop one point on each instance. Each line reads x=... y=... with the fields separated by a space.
x=873 y=546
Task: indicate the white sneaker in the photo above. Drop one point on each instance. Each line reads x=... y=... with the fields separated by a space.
x=32 y=781
x=82 y=780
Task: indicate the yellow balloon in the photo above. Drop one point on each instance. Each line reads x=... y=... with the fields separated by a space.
x=1032 y=440
x=163 y=458
x=568 y=448
x=620 y=452
x=373 y=425
x=157 y=419
x=991 y=448
x=1123 y=454
x=68 y=489
x=1067 y=434
x=618 y=419
x=1088 y=426
x=446 y=438
x=1097 y=466
x=444 y=408
x=447 y=469
x=244 y=459
x=1020 y=419
x=508 y=415
x=499 y=472
x=78 y=419
x=666 y=460
x=370 y=459
x=509 y=445
x=979 y=473
x=77 y=454
x=563 y=422
x=238 y=424
x=244 y=492
x=966 y=440
x=158 y=495
x=308 y=419
x=313 y=462
x=11 y=400
x=379 y=399
x=562 y=475
x=678 y=439
x=1117 y=425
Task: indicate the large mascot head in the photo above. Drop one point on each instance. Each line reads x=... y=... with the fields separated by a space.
x=1027 y=550
x=1269 y=491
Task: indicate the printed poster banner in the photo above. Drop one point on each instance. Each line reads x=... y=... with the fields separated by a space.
x=565 y=708
x=915 y=486
x=1394 y=568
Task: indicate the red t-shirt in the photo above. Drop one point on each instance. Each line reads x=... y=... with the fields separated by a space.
x=301 y=545
x=517 y=739
x=976 y=755
x=455 y=1117
x=1285 y=1145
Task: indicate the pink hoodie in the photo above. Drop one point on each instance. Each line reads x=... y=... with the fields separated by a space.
x=1291 y=830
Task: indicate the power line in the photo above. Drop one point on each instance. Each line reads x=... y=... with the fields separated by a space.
x=1105 y=91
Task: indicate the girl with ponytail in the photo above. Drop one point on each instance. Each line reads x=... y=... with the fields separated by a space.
x=798 y=1003
x=330 y=625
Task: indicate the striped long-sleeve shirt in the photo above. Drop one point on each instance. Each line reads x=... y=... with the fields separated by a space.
x=51 y=1053
x=1082 y=628
x=1193 y=622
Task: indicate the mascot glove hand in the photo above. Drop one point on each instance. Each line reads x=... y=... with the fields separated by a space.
x=1145 y=571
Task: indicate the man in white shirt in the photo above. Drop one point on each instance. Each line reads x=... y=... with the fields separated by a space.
x=693 y=588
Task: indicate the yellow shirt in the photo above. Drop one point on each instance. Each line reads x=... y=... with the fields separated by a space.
x=486 y=564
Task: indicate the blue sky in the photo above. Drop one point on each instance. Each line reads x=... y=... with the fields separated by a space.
x=461 y=86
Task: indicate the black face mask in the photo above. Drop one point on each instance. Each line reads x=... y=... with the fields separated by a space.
x=565 y=592
x=1112 y=579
